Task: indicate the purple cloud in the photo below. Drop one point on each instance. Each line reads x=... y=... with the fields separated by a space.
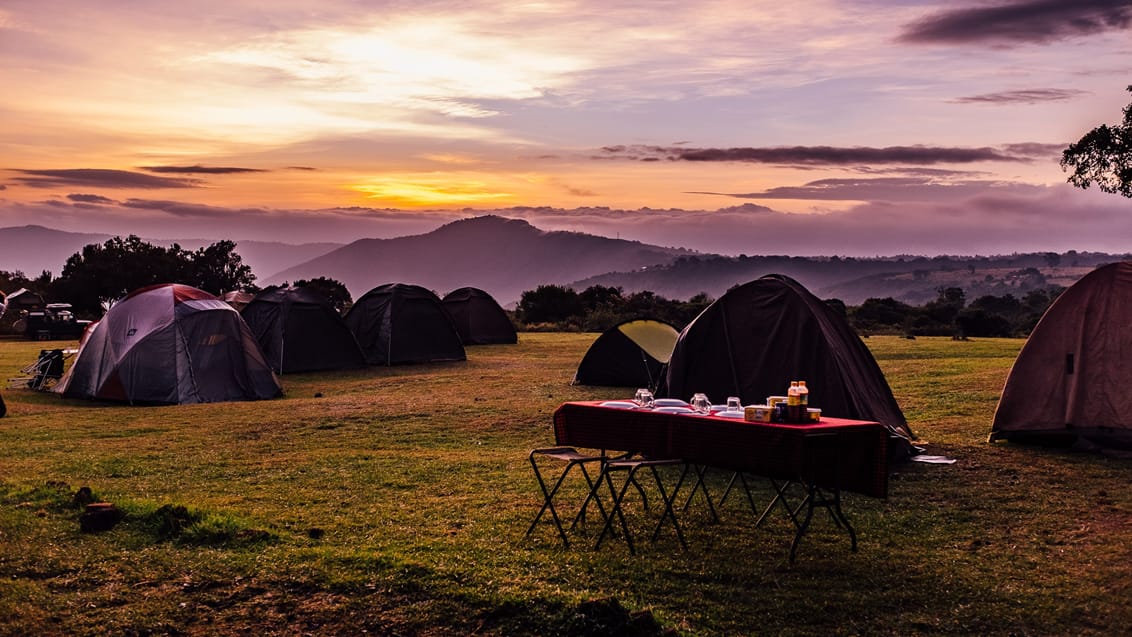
x=99 y=178
x=815 y=155
x=201 y=170
x=91 y=199
x=886 y=189
x=1025 y=21
x=181 y=209
x=1029 y=96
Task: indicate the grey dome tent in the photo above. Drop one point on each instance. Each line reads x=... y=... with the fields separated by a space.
x=169 y=344
x=1070 y=383
x=759 y=336
x=398 y=323
x=478 y=317
x=298 y=331
x=630 y=354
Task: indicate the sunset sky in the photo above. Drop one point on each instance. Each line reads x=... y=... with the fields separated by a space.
x=869 y=127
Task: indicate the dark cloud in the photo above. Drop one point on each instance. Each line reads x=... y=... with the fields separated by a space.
x=95 y=199
x=815 y=155
x=100 y=178
x=301 y=168
x=1024 y=21
x=1029 y=96
x=884 y=189
x=201 y=170
x=1035 y=150
x=181 y=209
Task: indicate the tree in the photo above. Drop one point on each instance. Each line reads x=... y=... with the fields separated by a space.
x=99 y=274
x=218 y=269
x=1104 y=157
x=549 y=304
x=334 y=290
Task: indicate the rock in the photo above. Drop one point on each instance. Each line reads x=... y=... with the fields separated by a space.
x=100 y=516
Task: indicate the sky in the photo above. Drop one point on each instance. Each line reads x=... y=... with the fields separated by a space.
x=860 y=128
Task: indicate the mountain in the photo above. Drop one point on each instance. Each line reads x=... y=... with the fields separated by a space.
x=503 y=257
x=33 y=249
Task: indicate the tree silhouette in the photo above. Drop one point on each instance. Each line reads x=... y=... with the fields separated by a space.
x=1104 y=157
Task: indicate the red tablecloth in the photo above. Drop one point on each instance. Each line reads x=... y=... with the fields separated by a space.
x=768 y=449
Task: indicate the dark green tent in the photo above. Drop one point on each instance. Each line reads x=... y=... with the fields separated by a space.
x=299 y=331
x=398 y=323
x=478 y=317
x=629 y=354
x=759 y=336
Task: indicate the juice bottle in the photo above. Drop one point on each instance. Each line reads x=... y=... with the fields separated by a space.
x=793 y=403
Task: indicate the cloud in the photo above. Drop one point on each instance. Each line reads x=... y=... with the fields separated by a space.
x=203 y=170
x=887 y=189
x=1028 y=96
x=182 y=209
x=90 y=199
x=815 y=155
x=98 y=177
x=1025 y=21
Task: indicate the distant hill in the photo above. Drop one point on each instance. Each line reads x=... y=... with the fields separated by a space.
x=913 y=280
x=504 y=257
x=33 y=249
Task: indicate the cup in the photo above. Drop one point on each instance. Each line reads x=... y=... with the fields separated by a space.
x=643 y=398
x=734 y=404
x=700 y=403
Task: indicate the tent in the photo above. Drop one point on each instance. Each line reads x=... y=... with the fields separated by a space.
x=237 y=299
x=1070 y=382
x=629 y=354
x=478 y=317
x=169 y=344
x=761 y=335
x=398 y=323
x=298 y=331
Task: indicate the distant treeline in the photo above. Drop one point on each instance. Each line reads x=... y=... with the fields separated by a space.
x=597 y=308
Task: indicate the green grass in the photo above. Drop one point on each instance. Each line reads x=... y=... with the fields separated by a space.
x=394 y=501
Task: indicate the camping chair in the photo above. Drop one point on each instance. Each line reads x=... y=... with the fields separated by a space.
x=630 y=466
x=821 y=477
x=572 y=458
x=43 y=373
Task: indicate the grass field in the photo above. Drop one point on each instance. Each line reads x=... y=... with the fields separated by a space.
x=393 y=501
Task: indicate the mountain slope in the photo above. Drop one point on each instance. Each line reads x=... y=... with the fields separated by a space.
x=504 y=257
x=33 y=249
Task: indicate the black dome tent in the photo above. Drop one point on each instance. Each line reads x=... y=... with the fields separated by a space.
x=1070 y=381
x=630 y=354
x=298 y=331
x=398 y=323
x=759 y=336
x=478 y=317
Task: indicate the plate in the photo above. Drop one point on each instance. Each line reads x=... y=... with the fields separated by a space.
x=669 y=402
x=729 y=414
x=619 y=404
x=675 y=410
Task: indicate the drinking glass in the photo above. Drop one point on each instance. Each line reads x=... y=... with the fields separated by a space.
x=700 y=403
x=734 y=404
x=643 y=398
